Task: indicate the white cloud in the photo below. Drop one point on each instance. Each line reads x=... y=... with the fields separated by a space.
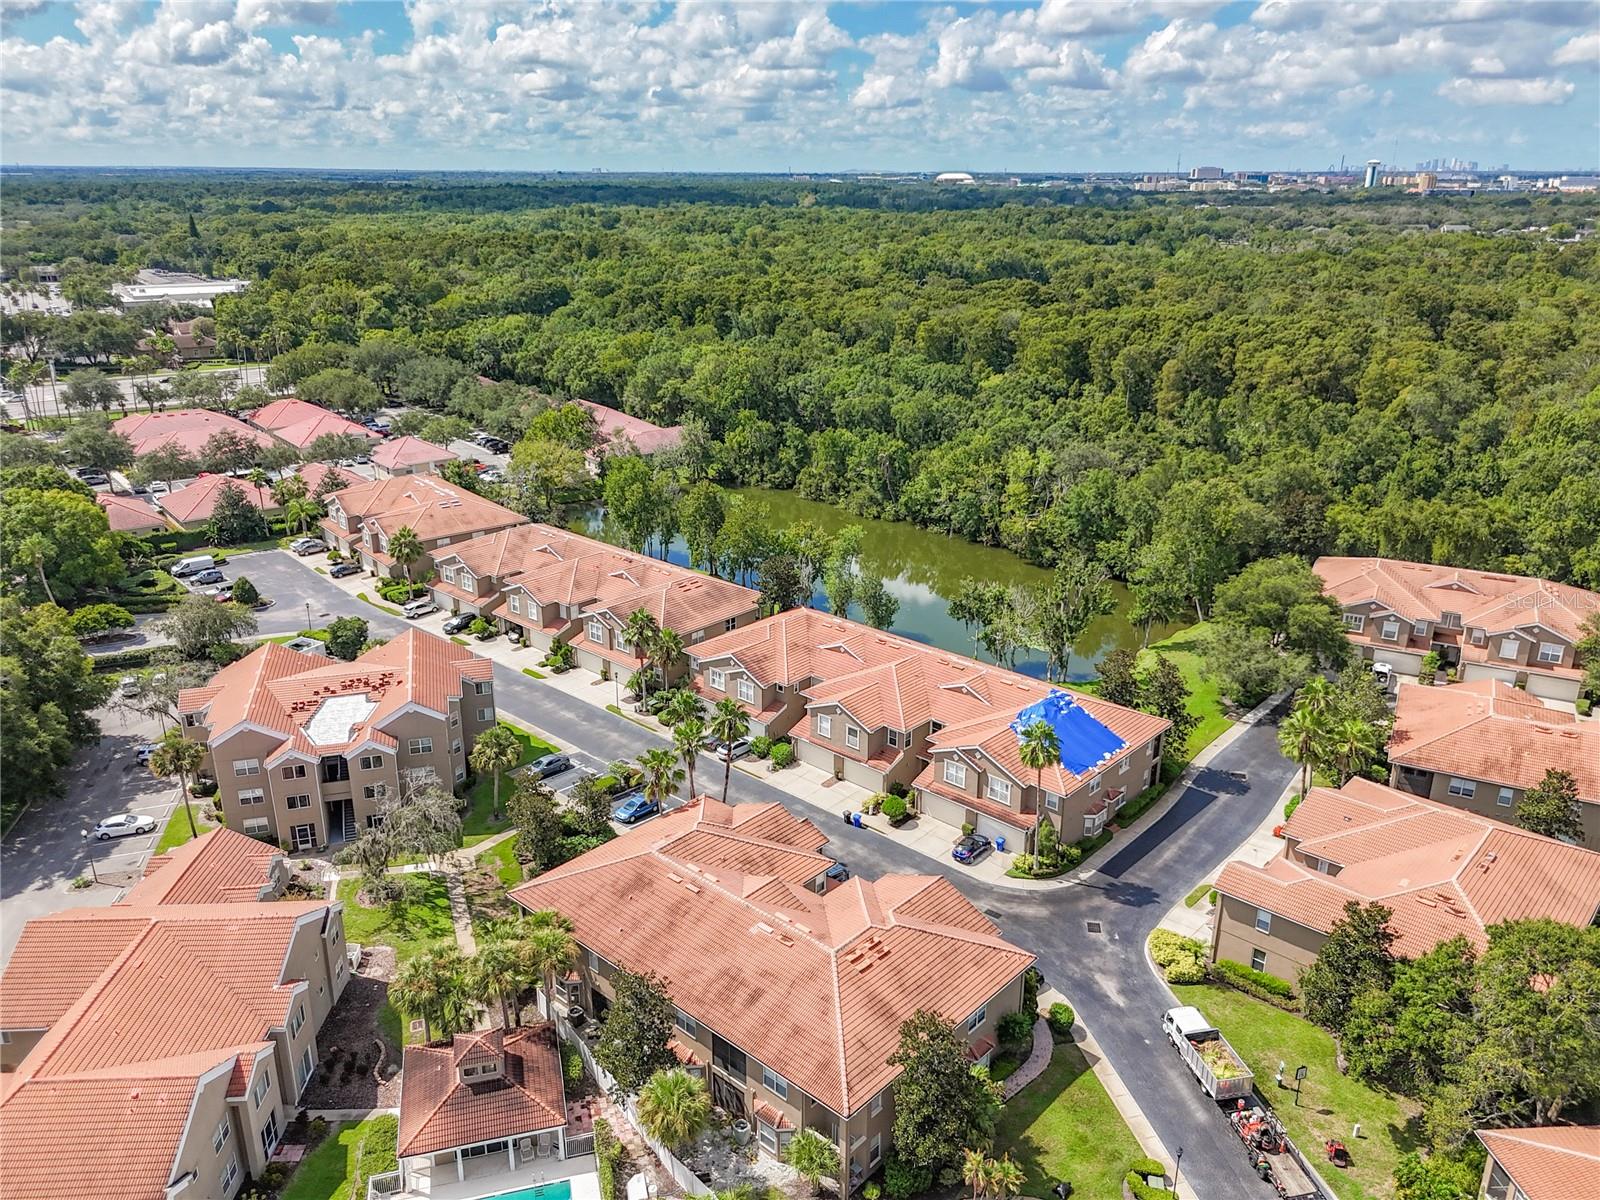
x=1581 y=51
x=1507 y=91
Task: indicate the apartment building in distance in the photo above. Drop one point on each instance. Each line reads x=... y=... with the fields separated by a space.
x=1485 y=624
x=878 y=710
x=790 y=989
x=300 y=423
x=1441 y=871
x=1480 y=746
x=548 y=585
x=362 y=519
x=306 y=752
x=172 y=1033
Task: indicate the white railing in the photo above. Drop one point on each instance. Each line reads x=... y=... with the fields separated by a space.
x=387 y=1184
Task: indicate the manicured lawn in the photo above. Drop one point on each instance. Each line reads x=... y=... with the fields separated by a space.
x=341 y=1165
x=177 y=831
x=532 y=674
x=425 y=921
x=1205 y=697
x=502 y=859
x=479 y=820
x=1193 y=897
x=1064 y=1126
x=393 y=612
x=1330 y=1103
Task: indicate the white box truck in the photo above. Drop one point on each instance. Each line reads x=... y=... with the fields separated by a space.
x=1215 y=1064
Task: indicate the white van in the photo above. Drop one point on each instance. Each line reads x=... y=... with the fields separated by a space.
x=191 y=566
x=420 y=607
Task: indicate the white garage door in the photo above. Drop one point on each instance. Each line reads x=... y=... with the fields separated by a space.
x=994 y=830
x=941 y=809
x=862 y=775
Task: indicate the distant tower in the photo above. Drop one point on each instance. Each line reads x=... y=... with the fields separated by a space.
x=1371 y=180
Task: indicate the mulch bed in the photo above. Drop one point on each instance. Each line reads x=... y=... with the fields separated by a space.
x=355 y=1053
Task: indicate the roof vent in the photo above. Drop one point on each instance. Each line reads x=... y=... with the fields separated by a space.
x=692 y=888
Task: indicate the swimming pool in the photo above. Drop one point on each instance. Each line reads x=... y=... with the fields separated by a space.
x=560 y=1189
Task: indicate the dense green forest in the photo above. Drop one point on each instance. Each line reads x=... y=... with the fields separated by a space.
x=1171 y=386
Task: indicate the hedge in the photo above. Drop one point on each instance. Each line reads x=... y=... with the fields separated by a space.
x=1061 y=1018
x=1181 y=959
x=608 y=1153
x=1137 y=1170
x=122 y=660
x=1259 y=984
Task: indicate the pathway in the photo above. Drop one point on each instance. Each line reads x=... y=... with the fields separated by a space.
x=1044 y=1044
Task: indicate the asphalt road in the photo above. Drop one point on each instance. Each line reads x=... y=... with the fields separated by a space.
x=1104 y=974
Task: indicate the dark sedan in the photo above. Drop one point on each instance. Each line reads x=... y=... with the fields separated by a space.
x=340 y=570
x=635 y=807
x=971 y=848
x=459 y=623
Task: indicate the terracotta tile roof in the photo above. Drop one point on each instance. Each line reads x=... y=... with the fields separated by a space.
x=1492 y=731
x=439 y=1111
x=320 y=707
x=222 y=866
x=409 y=452
x=300 y=423
x=54 y=962
x=771 y=1116
x=315 y=473
x=432 y=508
x=129 y=514
x=814 y=986
x=188 y=428
x=616 y=428
x=1548 y=1163
x=1442 y=870
x=198 y=501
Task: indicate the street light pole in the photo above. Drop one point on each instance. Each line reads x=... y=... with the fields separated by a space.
x=93 y=872
x=1177 y=1169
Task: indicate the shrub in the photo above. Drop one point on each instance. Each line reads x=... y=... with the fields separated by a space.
x=894 y=807
x=899 y=789
x=316 y=1130
x=481 y=629
x=1186 y=970
x=203 y=787
x=571 y=1064
x=120 y=660
x=1294 y=803
x=902 y=1180
x=1138 y=1188
x=870 y=1190
x=968 y=829
x=760 y=746
x=608 y=1153
x=1068 y=857
x=782 y=755
x=1428 y=669
x=1061 y=1018
x=1146 y=1166
x=1583 y=705
x=1255 y=983
x=1181 y=959
x=1015 y=1029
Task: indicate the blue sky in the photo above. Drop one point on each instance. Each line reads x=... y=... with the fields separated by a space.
x=1054 y=86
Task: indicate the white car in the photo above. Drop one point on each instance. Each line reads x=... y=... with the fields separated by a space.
x=142 y=754
x=122 y=825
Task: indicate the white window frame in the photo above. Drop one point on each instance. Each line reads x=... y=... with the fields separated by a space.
x=1449 y=620
x=1094 y=784
x=998 y=790
x=1052 y=802
x=729 y=625
x=955 y=773
x=270 y=1126
x=716 y=679
x=1355 y=622
x=514 y=602
x=1093 y=823
x=595 y=631
x=1389 y=631
x=486 y=715
x=875 y=1150
x=1263 y=921
x=370 y=791
x=1505 y=798
x=977 y=1018
x=260 y=1088
x=455 y=746
x=747 y=689
x=294 y=771
x=1479 y=637
x=824 y=725
x=774 y=1083
x=220 y=1135
x=1463 y=789
x=230 y=1175
x=252 y=796
x=1419 y=628
x=877 y=1105
x=852 y=737
x=255 y=825
x=1256 y=952
x=1545 y=655
x=419 y=745
x=243 y=767
x=297 y=1020
x=892 y=737
x=1509 y=646
x=482 y=687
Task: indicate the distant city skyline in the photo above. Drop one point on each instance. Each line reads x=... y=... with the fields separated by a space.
x=1062 y=85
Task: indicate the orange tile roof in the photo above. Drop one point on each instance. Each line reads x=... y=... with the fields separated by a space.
x=618 y=429
x=188 y=428
x=198 y=501
x=1442 y=870
x=1492 y=731
x=54 y=962
x=222 y=866
x=1547 y=1163
x=409 y=451
x=300 y=423
x=432 y=507
x=814 y=986
x=315 y=473
x=128 y=514
x=438 y=1111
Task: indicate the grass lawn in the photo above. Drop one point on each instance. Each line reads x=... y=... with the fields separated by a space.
x=393 y=612
x=532 y=674
x=341 y=1165
x=1205 y=697
x=502 y=859
x=1064 y=1126
x=426 y=920
x=479 y=821
x=1193 y=897
x=1330 y=1103
x=177 y=831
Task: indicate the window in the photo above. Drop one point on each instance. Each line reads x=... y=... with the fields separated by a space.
x=246 y=766
x=482 y=687
x=1450 y=620
x=461 y=773
x=448 y=574
x=1550 y=652
x=716 y=679
x=976 y=1019
x=302 y=1071
x=877 y=1150
x=516 y=603
x=730 y=624
x=824 y=726
x=778 y=687
x=955 y=773
x=230 y=1173
x=594 y=961
x=1263 y=920
x=297 y=1019
x=1052 y=802
x=1093 y=823
x=1504 y=798
x=220 y=1136
x=374 y=820
x=893 y=738
x=1389 y=631
x=1478 y=637
x=269 y=1134
x=1509 y=647
x=747 y=690
x=597 y=632
x=934 y=727
x=297 y=802
x=302 y=837
x=1419 y=628
x=372 y=762
x=455 y=720
x=255 y=825
x=852 y=737
x=686 y=1023
x=1094 y=785
x=1464 y=788
x=370 y=791
x=455 y=746
x=420 y=746
x=485 y=716
x=774 y=1083
x=262 y=1087
x=252 y=796
x=1258 y=960
x=999 y=790
x=295 y=771
x=1355 y=621
x=877 y=1105
x=468 y=582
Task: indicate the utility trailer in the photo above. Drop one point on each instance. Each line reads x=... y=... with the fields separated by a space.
x=1215 y=1063
x=1272 y=1154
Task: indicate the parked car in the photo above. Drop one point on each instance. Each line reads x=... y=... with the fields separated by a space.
x=838 y=873
x=192 y=565
x=492 y=475
x=159 y=487
x=635 y=806
x=209 y=575
x=420 y=607
x=971 y=848
x=497 y=446
x=142 y=754
x=459 y=623
x=550 y=764
x=308 y=545
x=728 y=751
x=221 y=595
x=128 y=686
x=122 y=825
x=340 y=570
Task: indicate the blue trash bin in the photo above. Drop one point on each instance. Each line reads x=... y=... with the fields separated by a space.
x=1000 y=844
x=855 y=819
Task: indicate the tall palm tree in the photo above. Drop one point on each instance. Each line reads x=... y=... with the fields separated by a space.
x=662 y=774
x=674 y=1107
x=1353 y=744
x=1039 y=747
x=687 y=738
x=301 y=511
x=665 y=651
x=177 y=755
x=501 y=971
x=640 y=633
x=1303 y=737
x=728 y=723
x=34 y=548
x=422 y=988
x=405 y=547
x=1316 y=694
x=681 y=705
x=258 y=480
x=549 y=949
x=496 y=750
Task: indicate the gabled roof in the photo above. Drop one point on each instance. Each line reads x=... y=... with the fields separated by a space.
x=300 y=423
x=188 y=428
x=315 y=473
x=1547 y=1163
x=814 y=986
x=197 y=501
x=1489 y=730
x=222 y=866
x=439 y=1111
x=432 y=507
x=616 y=427
x=1443 y=871
x=128 y=514
x=409 y=451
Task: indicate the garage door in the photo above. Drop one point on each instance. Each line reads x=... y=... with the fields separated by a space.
x=814 y=756
x=993 y=830
x=1552 y=687
x=862 y=775
x=941 y=809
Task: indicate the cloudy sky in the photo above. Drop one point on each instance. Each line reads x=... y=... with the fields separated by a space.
x=1058 y=85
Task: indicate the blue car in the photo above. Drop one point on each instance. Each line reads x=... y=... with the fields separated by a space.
x=971 y=848
x=635 y=806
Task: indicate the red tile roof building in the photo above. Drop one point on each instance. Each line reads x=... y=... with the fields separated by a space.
x=410 y=456
x=792 y=989
x=337 y=478
x=620 y=432
x=1554 y=1162
x=300 y=423
x=362 y=519
x=1481 y=745
x=129 y=514
x=1444 y=873
x=1489 y=624
x=187 y=428
x=194 y=504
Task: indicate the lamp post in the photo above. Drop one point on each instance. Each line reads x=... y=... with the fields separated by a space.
x=1177 y=1169
x=93 y=873
x=308 y=616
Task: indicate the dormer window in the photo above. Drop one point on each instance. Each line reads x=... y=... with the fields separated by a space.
x=478 y=1072
x=1450 y=620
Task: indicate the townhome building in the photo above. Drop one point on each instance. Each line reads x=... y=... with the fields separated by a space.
x=547 y=585
x=362 y=519
x=880 y=710
x=1541 y=1163
x=300 y=423
x=409 y=456
x=1485 y=624
x=307 y=752
x=178 y=1030
x=1441 y=871
x=1480 y=746
x=790 y=989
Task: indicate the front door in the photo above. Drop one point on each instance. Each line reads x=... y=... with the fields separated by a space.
x=303 y=837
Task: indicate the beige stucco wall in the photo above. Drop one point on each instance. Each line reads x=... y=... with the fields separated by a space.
x=1290 y=948
x=1485 y=802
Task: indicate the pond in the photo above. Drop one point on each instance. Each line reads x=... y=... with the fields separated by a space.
x=923 y=569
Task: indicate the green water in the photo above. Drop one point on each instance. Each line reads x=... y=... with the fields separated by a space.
x=923 y=569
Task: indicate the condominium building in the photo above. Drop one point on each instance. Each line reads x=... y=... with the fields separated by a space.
x=307 y=752
x=362 y=519
x=1543 y=1163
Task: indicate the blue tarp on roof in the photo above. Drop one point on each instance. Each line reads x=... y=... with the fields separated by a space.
x=1085 y=742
